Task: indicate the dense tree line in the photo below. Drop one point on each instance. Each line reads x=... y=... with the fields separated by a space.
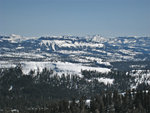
x=41 y=92
x=108 y=102
x=135 y=101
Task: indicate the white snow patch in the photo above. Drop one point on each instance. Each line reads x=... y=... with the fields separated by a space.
x=11 y=87
x=106 y=81
x=19 y=47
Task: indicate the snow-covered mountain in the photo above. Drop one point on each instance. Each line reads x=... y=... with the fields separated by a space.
x=77 y=49
x=90 y=51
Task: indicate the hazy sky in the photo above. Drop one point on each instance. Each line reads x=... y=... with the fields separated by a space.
x=108 y=18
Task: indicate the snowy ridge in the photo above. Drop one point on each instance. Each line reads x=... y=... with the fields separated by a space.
x=97 y=47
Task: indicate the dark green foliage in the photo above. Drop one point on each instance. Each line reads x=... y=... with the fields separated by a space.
x=46 y=92
x=127 y=65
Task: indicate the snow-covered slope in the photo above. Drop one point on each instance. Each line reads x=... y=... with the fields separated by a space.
x=141 y=76
x=77 y=48
x=58 y=67
x=90 y=51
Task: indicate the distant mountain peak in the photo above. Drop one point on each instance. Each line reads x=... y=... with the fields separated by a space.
x=99 y=38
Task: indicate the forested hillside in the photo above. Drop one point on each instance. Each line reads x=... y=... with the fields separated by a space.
x=46 y=92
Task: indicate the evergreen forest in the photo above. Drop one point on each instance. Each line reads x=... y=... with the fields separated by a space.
x=47 y=92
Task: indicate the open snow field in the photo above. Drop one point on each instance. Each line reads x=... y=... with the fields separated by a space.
x=59 y=67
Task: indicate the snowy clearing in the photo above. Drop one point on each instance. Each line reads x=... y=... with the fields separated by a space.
x=59 y=67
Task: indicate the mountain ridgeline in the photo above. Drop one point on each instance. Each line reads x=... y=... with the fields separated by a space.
x=76 y=49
